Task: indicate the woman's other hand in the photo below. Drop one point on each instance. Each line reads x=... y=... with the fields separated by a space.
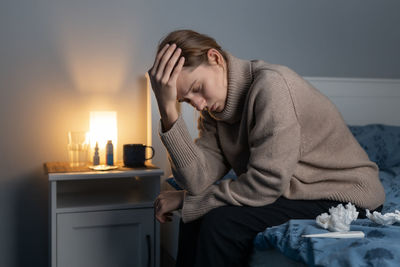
x=166 y=202
x=163 y=75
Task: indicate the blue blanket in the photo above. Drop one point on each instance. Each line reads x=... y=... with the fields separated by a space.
x=380 y=247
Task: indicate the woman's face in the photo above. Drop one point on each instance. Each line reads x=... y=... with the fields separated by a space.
x=205 y=86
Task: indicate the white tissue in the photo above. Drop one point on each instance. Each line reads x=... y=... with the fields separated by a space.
x=385 y=219
x=339 y=219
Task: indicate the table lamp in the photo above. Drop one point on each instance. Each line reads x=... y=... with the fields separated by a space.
x=103 y=127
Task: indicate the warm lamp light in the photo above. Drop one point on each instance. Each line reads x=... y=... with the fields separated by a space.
x=103 y=127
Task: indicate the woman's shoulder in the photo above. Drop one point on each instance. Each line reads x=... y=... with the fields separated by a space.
x=267 y=77
x=268 y=71
x=271 y=84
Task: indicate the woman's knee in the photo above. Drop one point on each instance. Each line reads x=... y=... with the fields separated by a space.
x=219 y=221
x=218 y=215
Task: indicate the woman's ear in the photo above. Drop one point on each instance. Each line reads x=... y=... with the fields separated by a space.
x=214 y=57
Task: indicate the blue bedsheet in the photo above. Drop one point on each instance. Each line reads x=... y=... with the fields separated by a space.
x=380 y=247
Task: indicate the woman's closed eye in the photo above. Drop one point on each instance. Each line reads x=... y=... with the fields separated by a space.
x=193 y=90
x=196 y=89
x=185 y=100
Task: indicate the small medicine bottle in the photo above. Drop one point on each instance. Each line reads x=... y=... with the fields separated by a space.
x=96 y=157
x=109 y=153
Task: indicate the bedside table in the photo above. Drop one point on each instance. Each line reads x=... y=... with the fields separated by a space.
x=103 y=218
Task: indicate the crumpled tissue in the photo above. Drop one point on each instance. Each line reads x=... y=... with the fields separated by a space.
x=339 y=219
x=385 y=219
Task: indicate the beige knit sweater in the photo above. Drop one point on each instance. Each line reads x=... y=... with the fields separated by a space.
x=281 y=136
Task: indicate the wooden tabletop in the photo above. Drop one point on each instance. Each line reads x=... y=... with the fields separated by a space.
x=61 y=167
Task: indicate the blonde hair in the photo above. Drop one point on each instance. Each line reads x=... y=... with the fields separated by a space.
x=194 y=46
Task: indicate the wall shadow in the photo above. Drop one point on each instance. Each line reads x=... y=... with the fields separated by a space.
x=31 y=211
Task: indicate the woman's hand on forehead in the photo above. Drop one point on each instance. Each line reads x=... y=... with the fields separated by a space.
x=163 y=76
x=165 y=71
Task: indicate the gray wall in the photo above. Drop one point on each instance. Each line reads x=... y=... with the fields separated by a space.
x=61 y=59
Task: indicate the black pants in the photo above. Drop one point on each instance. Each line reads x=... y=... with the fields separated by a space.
x=224 y=236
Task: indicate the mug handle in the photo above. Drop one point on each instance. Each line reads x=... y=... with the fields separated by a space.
x=152 y=152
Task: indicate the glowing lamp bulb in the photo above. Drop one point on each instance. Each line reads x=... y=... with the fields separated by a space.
x=103 y=127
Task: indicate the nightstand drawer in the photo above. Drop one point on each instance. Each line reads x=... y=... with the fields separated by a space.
x=106 y=238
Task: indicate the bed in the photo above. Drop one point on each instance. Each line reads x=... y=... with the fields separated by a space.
x=381 y=245
x=371 y=108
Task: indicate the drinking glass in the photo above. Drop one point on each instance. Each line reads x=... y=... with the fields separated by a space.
x=78 y=148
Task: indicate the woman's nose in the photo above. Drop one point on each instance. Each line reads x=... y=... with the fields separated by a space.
x=199 y=103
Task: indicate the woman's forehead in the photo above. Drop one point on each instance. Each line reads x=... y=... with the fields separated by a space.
x=185 y=80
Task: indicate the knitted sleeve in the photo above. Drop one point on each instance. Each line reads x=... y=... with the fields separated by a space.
x=274 y=138
x=195 y=164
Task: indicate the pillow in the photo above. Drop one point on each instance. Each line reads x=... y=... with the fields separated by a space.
x=391 y=183
x=381 y=142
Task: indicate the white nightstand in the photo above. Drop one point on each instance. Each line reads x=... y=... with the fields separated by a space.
x=103 y=218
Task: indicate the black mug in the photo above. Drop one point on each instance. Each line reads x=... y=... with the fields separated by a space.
x=135 y=155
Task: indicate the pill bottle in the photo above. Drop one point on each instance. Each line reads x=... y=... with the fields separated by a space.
x=109 y=153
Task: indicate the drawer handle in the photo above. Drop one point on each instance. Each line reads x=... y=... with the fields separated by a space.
x=148 y=238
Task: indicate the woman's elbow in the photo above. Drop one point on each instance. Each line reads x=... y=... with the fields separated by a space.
x=195 y=190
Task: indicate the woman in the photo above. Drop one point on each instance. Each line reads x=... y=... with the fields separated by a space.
x=289 y=146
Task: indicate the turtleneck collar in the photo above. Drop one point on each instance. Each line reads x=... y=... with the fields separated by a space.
x=239 y=81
